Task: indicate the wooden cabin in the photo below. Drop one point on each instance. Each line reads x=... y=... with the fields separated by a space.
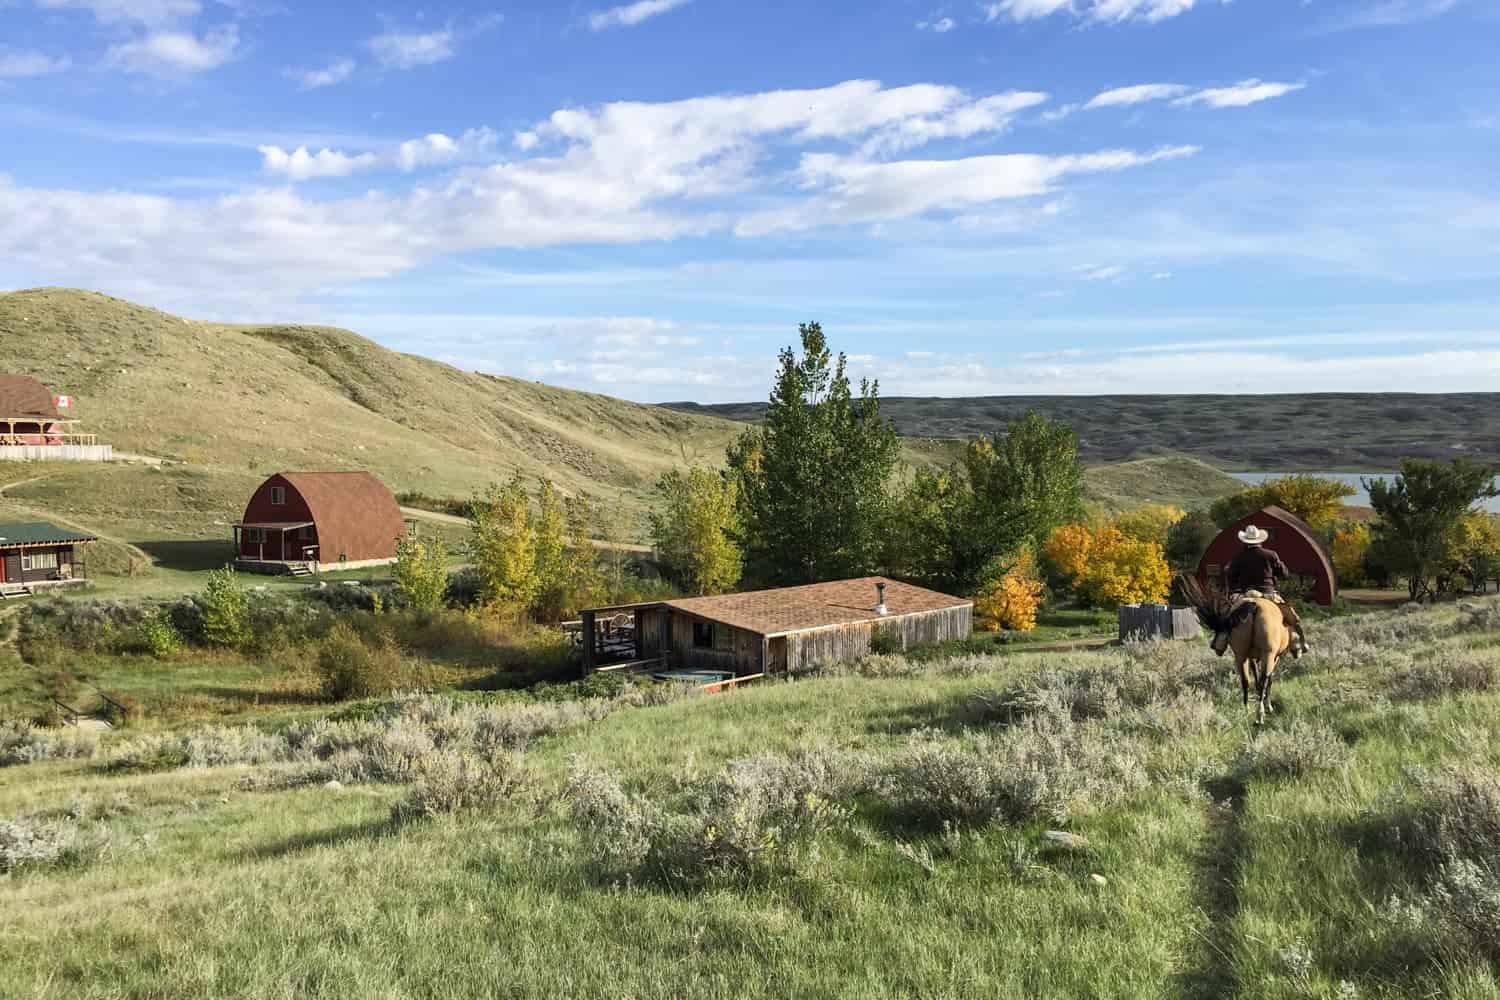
x=1292 y=538
x=36 y=555
x=769 y=631
x=305 y=522
x=34 y=426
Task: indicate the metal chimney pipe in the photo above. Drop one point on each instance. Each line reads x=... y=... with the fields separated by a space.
x=880 y=598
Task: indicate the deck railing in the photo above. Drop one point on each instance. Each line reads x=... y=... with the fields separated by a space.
x=43 y=440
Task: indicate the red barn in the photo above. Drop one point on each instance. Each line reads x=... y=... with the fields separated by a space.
x=307 y=521
x=1291 y=538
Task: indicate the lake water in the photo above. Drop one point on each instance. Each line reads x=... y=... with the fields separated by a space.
x=1360 y=499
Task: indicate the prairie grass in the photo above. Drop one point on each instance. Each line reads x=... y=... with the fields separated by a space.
x=788 y=840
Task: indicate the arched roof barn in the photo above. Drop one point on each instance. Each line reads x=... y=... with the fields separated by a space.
x=1291 y=538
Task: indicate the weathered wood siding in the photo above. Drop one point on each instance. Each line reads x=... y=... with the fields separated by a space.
x=742 y=658
x=849 y=642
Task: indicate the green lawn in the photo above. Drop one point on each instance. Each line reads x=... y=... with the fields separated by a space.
x=1216 y=878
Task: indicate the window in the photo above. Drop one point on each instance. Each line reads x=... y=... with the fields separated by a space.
x=703 y=635
x=305 y=532
x=278 y=496
x=724 y=638
x=38 y=560
x=255 y=535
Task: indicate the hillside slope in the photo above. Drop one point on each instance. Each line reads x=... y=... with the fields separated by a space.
x=255 y=399
x=1357 y=432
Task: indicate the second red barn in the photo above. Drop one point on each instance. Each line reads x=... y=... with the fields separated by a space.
x=304 y=522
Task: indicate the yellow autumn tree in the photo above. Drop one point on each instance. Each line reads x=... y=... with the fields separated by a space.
x=1012 y=600
x=503 y=546
x=1149 y=523
x=1106 y=567
x=1350 y=543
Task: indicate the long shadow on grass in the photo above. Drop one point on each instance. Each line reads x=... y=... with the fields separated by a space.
x=1210 y=974
x=191 y=555
x=339 y=835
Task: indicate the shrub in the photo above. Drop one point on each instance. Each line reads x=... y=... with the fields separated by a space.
x=1301 y=748
x=615 y=825
x=23 y=743
x=353 y=667
x=1458 y=813
x=421 y=572
x=1448 y=671
x=155 y=635
x=35 y=843
x=225 y=611
x=1105 y=567
x=1043 y=769
x=1011 y=601
x=885 y=641
x=454 y=781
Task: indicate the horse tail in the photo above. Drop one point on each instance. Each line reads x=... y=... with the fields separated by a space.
x=1216 y=612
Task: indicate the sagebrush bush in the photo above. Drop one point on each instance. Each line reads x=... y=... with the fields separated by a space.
x=1457 y=814
x=759 y=817
x=1047 y=768
x=1445 y=670
x=455 y=781
x=35 y=843
x=1299 y=749
x=23 y=743
x=355 y=667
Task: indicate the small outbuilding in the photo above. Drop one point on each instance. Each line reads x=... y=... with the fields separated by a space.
x=303 y=522
x=36 y=555
x=1291 y=538
x=769 y=631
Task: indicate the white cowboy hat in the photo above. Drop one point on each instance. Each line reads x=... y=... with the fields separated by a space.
x=1254 y=535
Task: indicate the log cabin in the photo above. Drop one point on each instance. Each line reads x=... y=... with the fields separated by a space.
x=770 y=631
x=36 y=555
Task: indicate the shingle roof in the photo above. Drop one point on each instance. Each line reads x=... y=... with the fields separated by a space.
x=816 y=605
x=39 y=533
x=356 y=513
x=24 y=396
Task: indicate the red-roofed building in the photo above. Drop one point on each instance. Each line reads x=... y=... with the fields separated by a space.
x=309 y=521
x=35 y=427
x=1291 y=538
x=768 y=631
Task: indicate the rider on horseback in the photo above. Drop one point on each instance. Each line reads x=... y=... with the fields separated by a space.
x=1254 y=572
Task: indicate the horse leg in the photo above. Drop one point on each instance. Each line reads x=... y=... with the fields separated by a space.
x=1266 y=668
x=1243 y=662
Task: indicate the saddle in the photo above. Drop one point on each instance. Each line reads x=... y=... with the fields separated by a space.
x=1289 y=618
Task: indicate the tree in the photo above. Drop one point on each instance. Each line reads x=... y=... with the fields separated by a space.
x=1011 y=600
x=1107 y=568
x=693 y=529
x=1151 y=522
x=421 y=572
x=1024 y=485
x=1315 y=500
x=813 y=477
x=226 y=610
x=1418 y=511
x=1189 y=538
x=929 y=517
x=1350 y=546
x=552 y=560
x=1472 y=548
x=585 y=580
x=503 y=545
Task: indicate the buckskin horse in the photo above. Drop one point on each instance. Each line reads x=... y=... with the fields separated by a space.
x=1258 y=636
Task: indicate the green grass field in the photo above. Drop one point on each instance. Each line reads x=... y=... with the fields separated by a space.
x=1221 y=860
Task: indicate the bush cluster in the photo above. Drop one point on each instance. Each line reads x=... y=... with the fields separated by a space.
x=1299 y=749
x=353 y=666
x=23 y=743
x=1446 y=670
x=35 y=843
x=453 y=781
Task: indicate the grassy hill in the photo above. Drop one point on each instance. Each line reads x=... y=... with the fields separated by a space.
x=1311 y=857
x=1173 y=479
x=250 y=400
x=1279 y=433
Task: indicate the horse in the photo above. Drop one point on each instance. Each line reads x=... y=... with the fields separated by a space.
x=1258 y=635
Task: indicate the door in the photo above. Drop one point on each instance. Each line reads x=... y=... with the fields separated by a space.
x=10 y=568
x=776 y=655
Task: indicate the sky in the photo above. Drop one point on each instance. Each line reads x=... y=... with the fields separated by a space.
x=644 y=200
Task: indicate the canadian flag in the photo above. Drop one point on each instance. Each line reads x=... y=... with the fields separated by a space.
x=62 y=402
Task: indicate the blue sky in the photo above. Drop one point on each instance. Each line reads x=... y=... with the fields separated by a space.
x=1022 y=196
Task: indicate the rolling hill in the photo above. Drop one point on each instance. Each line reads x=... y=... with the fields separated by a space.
x=1369 y=432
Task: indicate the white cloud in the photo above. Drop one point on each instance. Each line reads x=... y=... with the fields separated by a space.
x=1244 y=93
x=147 y=12
x=1160 y=275
x=1388 y=14
x=311 y=79
x=300 y=165
x=1103 y=11
x=437 y=148
x=408 y=50
x=1102 y=273
x=526 y=140
x=852 y=190
x=16 y=64
x=176 y=51
x=937 y=25
x=960 y=121
x=631 y=14
x=1138 y=94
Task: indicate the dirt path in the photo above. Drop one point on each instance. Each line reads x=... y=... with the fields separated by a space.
x=440 y=518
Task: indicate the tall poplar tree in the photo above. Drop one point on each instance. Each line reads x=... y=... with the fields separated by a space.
x=814 y=476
